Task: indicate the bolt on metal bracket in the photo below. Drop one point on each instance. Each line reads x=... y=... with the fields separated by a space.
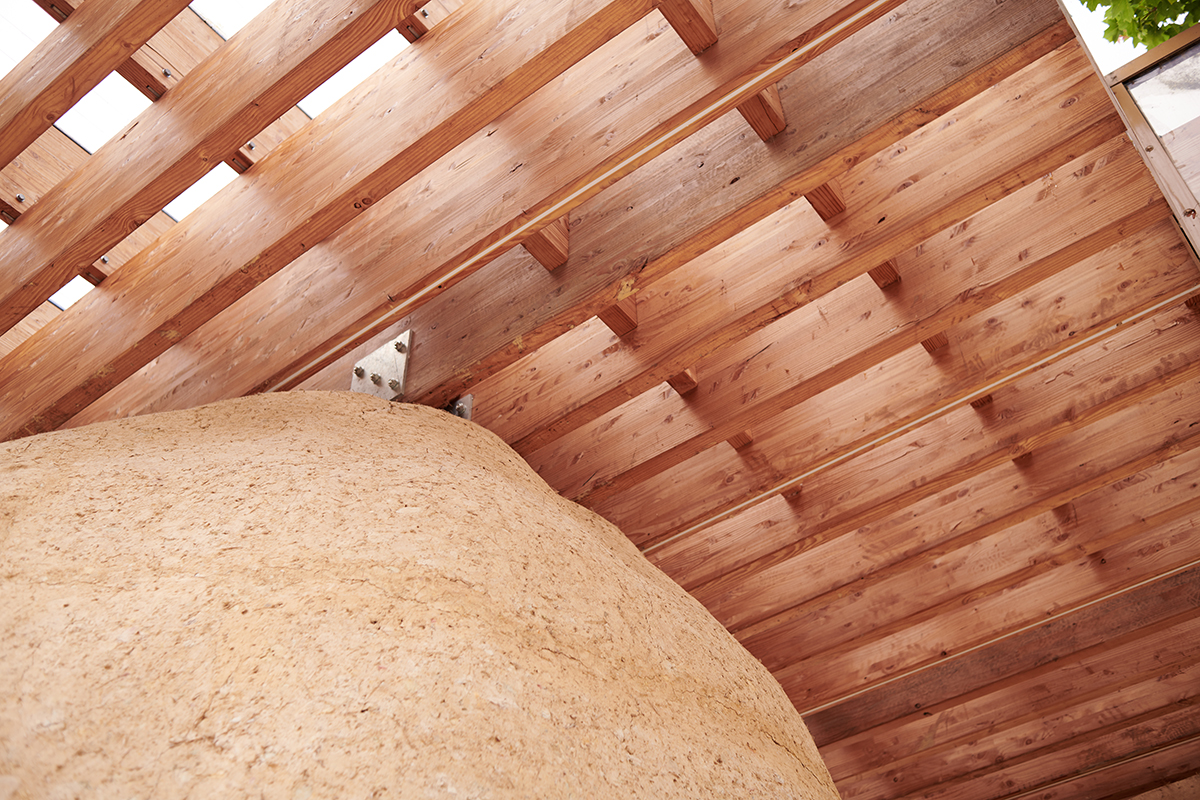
x=383 y=372
x=461 y=407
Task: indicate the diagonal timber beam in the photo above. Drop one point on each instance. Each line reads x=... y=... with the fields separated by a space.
x=69 y=62
x=177 y=140
x=764 y=112
x=291 y=348
x=321 y=194
x=696 y=96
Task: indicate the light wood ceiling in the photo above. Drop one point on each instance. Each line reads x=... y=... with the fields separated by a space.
x=905 y=394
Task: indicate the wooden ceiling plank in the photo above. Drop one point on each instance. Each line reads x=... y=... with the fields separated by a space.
x=764 y=113
x=313 y=198
x=755 y=382
x=1149 y=771
x=631 y=242
x=177 y=140
x=1027 y=421
x=1157 y=651
x=1056 y=314
x=693 y=20
x=1153 y=551
x=69 y=62
x=688 y=313
x=296 y=338
x=550 y=246
x=1007 y=741
x=1109 y=745
x=970 y=567
x=1006 y=662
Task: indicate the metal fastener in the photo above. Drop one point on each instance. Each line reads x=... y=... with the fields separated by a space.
x=167 y=72
x=249 y=145
x=401 y=348
x=1190 y=213
x=103 y=259
x=394 y=385
x=376 y=379
x=20 y=198
x=359 y=372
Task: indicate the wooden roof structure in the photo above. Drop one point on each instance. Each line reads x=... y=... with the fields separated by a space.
x=894 y=370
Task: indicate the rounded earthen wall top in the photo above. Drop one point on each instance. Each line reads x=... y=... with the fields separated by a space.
x=326 y=595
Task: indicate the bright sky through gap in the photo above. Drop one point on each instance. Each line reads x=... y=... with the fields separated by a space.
x=227 y=17
x=353 y=73
x=195 y=195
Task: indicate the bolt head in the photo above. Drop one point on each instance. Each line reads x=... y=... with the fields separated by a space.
x=376 y=378
x=20 y=198
x=359 y=372
x=401 y=347
x=394 y=385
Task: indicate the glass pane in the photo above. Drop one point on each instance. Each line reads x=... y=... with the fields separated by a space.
x=1169 y=97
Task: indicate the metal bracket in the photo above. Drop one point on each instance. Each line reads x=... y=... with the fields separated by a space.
x=383 y=372
x=462 y=406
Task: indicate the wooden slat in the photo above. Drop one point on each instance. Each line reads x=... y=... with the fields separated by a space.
x=267 y=140
x=741 y=439
x=177 y=140
x=69 y=62
x=969 y=567
x=268 y=242
x=768 y=288
x=550 y=245
x=1007 y=662
x=753 y=370
x=1163 y=651
x=546 y=310
x=764 y=112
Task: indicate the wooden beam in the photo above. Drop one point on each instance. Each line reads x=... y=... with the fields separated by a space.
x=621 y=318
x=549 y=245
x=429 y=279
x=760 y=371
x=36 y=170
x=827 y=200
x=70 y=62
x=693 y=20
x=177 y=140
x=322 y=195
x=28 y=326
x=764 y=112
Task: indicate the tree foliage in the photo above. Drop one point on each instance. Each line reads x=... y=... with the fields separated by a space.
x=1147 y=22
